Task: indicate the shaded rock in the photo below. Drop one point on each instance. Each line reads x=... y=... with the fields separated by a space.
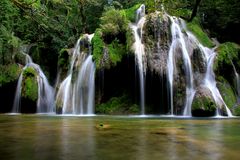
x=179 y=83
x=199 y=66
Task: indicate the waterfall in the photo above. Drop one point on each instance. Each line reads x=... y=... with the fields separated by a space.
x=137 y=29
x=76 y=92
x=45 y=102
x=17 y=99
x=237 y=79
x=210 y=83
x=209 y=78
x=179 y=41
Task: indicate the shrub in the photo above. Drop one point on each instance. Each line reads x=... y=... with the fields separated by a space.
x=9 y=73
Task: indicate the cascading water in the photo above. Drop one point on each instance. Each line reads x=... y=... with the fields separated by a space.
x=76 y=92
x=140 y=53
x=210 y=83
x=209 y=79
x=178 y=41
x=45 y=102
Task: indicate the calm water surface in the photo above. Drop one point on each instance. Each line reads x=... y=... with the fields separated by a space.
x=104 y=137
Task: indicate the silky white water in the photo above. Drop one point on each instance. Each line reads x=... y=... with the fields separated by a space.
x=179 y=41
x=45 y=101
x=76 y=93
x=137 y=29
x=209 y=78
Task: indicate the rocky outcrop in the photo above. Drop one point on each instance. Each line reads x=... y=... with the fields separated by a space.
x=203 y=103
x=157 y=39
x=29 y=94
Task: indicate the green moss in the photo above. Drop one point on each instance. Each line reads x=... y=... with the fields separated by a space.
x=227 y=53
x=30 y=86
x=30 y=89
x=98 y=46
x=227 y=93
x=131 y=12
x=204 y=103
x=116 y=51
x=9 y=73
x=118 y=105
x=194 y=26
x=29 y=72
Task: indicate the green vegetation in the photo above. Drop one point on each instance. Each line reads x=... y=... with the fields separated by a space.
x=194 y=26
x=113 y=23
x=116 y=51
x=98 y=46
x=221 y=18
x=227 y=54
x=46 y=25
x=110 y=39
x=9 y=73
x=118 y=105
x=30 y=86
x=131 y=12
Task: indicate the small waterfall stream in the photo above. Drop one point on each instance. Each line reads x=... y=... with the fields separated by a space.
x=237 y=79
x=76 y=92
x=45 y=101
x=140 y=53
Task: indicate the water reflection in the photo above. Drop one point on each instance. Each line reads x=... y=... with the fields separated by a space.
x=77 y=139
x=46 y=137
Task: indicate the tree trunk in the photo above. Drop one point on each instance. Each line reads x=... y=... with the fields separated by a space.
x=195 y=9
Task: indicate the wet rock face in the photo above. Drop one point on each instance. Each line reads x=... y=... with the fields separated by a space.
x=179 y=83
x=199 y=66
x=157 y=39
x=203 y=102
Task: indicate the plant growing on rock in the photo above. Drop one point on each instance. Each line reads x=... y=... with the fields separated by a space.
x=30 y=86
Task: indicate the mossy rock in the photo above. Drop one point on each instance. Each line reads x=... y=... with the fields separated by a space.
x=228 y=54
x=228 y=95
x=29 y=84
x=203 y=104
